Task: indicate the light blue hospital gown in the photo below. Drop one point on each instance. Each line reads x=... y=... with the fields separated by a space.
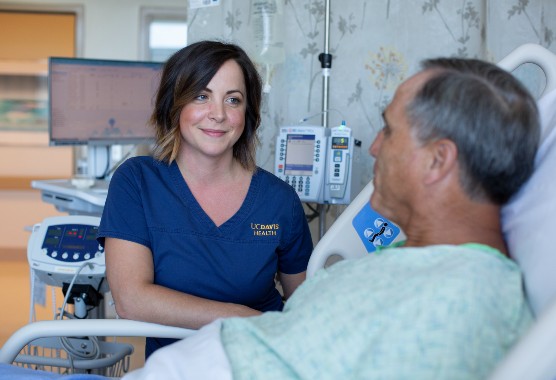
x=440 y=312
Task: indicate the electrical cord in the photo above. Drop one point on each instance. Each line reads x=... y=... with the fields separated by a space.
x=115 y=166
x=107 y=168
x=314 y=212
x=73 y=352
x=32 y=314
x=78 y=352
x=110 y=170
x=68 y=292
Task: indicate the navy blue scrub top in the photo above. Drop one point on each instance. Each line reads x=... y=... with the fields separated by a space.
x=149 y=203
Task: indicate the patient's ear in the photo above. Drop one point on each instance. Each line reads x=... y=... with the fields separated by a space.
x=443 y=156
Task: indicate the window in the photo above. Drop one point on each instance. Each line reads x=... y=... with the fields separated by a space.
x=163 y=32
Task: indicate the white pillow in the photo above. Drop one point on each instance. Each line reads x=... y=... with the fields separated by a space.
x=529 y=219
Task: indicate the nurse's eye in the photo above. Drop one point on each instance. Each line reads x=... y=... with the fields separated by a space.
x=201 y=97
x=386 y=130
x=234 y=100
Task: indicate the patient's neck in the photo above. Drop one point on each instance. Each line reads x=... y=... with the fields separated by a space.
x=457 y=224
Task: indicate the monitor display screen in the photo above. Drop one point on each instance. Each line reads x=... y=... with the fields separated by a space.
x=300 y=150
x=340 y=142
x=93 y=101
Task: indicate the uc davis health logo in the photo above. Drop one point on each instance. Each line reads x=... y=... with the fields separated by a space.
x=260 y=229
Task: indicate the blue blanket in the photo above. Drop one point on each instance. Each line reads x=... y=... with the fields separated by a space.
x=12 y=372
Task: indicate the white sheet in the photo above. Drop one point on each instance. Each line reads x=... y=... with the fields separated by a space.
x=200 y=356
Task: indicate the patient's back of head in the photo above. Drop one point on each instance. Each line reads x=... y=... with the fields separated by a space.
x=489 y=115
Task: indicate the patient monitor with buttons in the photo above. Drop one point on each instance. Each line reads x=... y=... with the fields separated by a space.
x=316 y=162
x=63 y=249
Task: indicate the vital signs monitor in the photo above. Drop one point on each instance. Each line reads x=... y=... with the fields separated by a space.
x=63 y=247
x=316 y=162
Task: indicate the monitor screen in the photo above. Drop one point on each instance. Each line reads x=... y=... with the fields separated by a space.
x=93 y=101
x=300 y=150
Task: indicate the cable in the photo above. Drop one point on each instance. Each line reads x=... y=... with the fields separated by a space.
x=109 y=171
x=314 y=212
x=53 y=303
x=105 y=173
x=115 y=166
x=76 y=353
x=32 y=315
x=68 y=292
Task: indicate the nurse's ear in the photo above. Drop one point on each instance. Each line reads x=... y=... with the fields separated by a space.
x=442 y=160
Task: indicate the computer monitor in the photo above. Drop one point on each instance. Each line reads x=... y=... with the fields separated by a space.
x=94 y=101
x=101 y=102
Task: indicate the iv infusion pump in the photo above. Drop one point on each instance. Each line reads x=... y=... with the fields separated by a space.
x=316 y=162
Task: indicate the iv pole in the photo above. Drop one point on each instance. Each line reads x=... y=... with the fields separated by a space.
x=326 y=63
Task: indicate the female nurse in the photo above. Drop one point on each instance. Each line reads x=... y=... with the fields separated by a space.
x=199 y=232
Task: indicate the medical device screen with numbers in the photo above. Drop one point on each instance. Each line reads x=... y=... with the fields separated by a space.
x=300 y=150
x=340 y=143
x=71 y=237
x=101 y=101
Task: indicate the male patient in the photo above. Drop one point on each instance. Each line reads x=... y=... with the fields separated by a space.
x=459 y=139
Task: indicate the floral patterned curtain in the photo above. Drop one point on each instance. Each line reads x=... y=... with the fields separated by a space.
x=375 y=46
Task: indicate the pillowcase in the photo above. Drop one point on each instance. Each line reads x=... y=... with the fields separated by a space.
x=529 y=219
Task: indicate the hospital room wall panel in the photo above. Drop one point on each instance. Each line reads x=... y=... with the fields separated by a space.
x=36 y=161
x=19 y=29
x=20 y=211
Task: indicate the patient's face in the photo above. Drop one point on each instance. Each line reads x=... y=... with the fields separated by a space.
x=399 y=157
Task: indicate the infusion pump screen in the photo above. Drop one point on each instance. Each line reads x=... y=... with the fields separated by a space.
x=340 y=143
x=300 y=150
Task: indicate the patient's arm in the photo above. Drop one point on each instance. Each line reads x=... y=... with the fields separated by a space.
x=130 y=274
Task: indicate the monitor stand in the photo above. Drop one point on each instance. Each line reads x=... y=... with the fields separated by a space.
x=84 y=193
x=98 y=161
x=75 y=200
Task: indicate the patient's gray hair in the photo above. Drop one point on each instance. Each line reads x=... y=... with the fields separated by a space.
x=489 y=115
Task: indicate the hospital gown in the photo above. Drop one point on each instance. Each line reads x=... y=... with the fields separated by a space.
x=441 y=312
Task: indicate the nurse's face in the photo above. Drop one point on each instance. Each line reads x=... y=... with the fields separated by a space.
x=399 y=157
x=212 y=123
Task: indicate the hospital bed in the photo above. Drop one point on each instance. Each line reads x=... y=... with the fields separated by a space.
x=533 y=358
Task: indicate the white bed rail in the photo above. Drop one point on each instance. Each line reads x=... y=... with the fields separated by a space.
x=536 y=54
x=90 y=327
x=341 y=239
x=533 y=357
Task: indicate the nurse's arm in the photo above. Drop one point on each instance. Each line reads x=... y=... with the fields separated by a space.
x=130 y=274
x=290 y=282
